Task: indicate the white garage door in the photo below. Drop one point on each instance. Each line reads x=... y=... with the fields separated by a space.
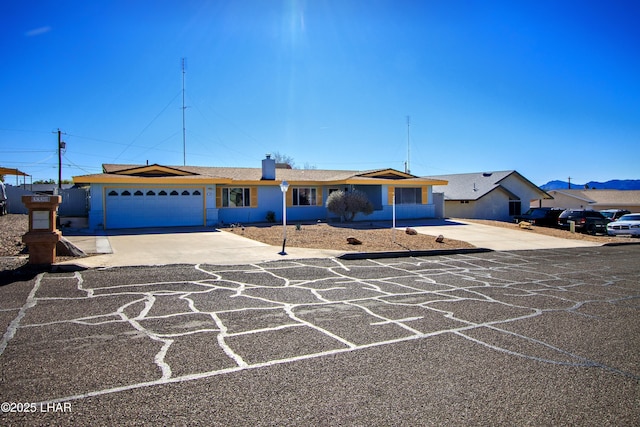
x=154 y=207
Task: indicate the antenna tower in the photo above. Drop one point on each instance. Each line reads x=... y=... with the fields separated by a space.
x=184 y=132
x=407 y=167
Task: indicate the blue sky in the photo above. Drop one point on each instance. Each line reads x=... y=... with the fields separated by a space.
x=549 y=88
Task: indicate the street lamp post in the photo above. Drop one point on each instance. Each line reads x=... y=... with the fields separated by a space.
x=393 y=214
x=284 y=186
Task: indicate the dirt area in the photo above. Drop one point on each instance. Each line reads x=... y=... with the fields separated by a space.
x=334 y=236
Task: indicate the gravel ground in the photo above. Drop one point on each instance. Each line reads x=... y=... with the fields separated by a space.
x=13 y=253
x=12 y=228
x=334 y=236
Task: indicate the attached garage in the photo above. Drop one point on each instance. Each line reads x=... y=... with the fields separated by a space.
x=139 y=207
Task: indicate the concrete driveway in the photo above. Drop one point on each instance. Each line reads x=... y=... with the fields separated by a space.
x=189 y=245
x=198 y=245
x=497 y=238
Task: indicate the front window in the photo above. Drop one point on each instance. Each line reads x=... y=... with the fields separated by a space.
x=236 y=197
x=304 y=196
x=408 y=196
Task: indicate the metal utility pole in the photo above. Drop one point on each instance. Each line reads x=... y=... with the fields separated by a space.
x=184 y=132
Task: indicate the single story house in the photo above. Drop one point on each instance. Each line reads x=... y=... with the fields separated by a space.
x=488 y=195
x=594 y=199
x=134 y=196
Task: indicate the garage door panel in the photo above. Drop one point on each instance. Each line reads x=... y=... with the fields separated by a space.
x=154 y=207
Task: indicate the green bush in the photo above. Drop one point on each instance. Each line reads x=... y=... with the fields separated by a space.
x=348 y=204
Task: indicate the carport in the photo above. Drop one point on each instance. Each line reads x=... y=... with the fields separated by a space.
x=18 y=173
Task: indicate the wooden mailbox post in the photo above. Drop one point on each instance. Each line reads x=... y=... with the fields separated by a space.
x=43 y=235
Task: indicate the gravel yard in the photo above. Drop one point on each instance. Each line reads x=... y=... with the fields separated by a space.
x=13 y=253
x=12 y=228
x=334 y=236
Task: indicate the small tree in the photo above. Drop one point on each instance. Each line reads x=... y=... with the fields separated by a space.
x=283 y=158
x=348 y=204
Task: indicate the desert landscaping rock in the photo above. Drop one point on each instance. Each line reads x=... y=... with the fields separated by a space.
x=353 y=241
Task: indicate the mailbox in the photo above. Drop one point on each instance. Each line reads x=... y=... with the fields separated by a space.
x=42 y=237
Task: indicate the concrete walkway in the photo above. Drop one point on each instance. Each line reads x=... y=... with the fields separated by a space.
x=193 y=245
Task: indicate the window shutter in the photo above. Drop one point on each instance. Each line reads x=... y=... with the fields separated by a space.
x=319 y=196
x=391 y=192
x=254 y=196
x=290 y=197
x=218 y=197
x=425 y=195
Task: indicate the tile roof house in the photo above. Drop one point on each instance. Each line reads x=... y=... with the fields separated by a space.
x=488 y=195
x=135 y=196
x=594 y=199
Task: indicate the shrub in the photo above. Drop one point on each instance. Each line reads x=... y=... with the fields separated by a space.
x=348 y=204
x=271 y=216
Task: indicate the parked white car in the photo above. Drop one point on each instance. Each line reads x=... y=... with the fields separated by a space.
x=3 y=199
x=626 y=224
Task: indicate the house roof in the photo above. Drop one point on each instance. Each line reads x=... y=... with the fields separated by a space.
x=119 y=173
x=473 y=186
x=603 y=197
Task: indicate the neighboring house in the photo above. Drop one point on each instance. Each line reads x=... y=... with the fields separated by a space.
x=488 y=195
x=595 y=199
x=132 y=196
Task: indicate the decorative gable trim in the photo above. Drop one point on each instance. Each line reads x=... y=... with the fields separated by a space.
x=154 y=171
x=386 y=174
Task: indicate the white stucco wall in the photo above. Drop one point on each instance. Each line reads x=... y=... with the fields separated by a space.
x=522 y=189
x=562 y=201
x=494 y=205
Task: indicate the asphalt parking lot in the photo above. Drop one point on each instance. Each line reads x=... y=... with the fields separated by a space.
x=547 y=337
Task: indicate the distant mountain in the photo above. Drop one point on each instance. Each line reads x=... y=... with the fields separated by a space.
x=614 y=184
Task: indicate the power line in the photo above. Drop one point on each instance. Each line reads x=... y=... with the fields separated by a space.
x=71 y=163
x=23 y=130
x=25 y=151
x=147 y=126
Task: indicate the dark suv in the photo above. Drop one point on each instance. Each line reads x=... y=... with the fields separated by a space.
x=614 y=214
x=587 y=221
x=540 y=216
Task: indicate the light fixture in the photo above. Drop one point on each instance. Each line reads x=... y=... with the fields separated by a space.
x=284 y=186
